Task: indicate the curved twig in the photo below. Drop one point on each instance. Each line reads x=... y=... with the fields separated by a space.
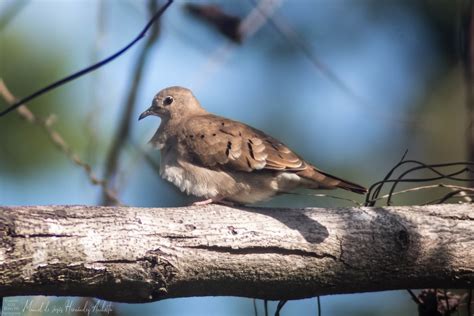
x=375 y=189
x=457 y=188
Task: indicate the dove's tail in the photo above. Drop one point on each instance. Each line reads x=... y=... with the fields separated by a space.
x=326 y=181
x=350 y=186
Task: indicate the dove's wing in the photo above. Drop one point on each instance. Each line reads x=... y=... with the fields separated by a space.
x=217 y=142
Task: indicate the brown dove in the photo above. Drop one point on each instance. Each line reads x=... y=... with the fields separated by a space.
x=221 y=160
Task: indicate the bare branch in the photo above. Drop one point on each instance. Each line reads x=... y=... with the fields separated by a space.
x=142 y=254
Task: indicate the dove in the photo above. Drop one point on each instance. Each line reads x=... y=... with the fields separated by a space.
x=221 y=160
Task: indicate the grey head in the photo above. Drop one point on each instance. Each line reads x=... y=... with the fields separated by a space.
x=173 y=103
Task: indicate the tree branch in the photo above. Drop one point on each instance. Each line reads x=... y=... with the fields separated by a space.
x=141 y=254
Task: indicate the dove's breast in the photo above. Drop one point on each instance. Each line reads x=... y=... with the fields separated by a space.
x=195 y=180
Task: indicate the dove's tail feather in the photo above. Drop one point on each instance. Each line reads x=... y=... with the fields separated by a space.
x=346 y=185
x=327 y=181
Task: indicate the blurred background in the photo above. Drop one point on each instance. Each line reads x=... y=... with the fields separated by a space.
x=350 y=85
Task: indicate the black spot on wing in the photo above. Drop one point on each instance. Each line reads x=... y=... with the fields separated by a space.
x=229 y=147
x=249 y=145
x=248 y=162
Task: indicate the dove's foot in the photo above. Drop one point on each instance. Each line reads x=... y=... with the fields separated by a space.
x=205 y=202
x=213 y=201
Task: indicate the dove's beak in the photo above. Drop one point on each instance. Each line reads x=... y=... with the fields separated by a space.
x=145 y=114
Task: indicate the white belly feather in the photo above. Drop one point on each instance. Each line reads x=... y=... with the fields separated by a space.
x=193 y=179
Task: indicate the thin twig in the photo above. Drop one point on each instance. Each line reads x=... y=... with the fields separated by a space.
x=57 y=141
x=375 y=188
x=280 y=306
x=122 y=134
x=255 y=312
x=441 y=185
x=414 y=297
x=432 y=168
x=450 y=195
x=84 y=71
x=318 y=302
x=448 y=310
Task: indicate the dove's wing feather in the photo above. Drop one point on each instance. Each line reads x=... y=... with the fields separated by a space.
x=217 y=142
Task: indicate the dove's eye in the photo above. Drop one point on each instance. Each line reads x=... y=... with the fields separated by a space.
x=168 y=100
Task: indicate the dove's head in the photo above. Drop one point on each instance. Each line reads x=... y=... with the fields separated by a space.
x=173 y=103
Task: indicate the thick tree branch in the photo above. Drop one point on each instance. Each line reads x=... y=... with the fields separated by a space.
x=142 y=254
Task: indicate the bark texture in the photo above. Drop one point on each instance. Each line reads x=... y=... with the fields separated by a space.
x=132 y=254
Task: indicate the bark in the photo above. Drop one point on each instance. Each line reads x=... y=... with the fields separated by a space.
x=130 y=254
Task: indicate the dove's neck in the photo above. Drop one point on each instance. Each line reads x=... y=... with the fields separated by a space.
x=177 y=116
